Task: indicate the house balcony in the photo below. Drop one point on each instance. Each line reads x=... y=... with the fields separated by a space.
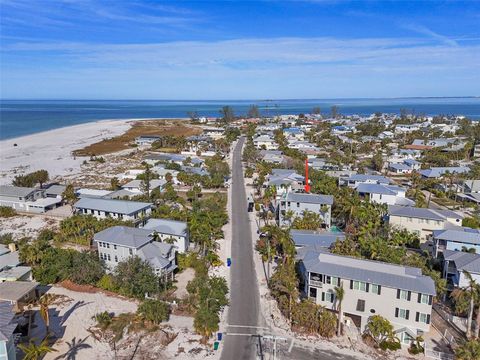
x=316 y=283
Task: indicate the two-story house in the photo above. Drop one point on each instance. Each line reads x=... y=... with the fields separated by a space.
x=118 y=243
x=384 y=194
x=456 y=239
x=27 y=199
x=400 y=294
x=135 y=211
x=356 y=179
x=422 y=221
x=8 y=325
x=170 y=231
x=298 y=203
x=454 y=265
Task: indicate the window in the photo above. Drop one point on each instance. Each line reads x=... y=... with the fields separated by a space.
x=360 y=285
x=313 y=292
x=332 y=280
x=361 y=305
x=376 y=289
x=424 y=299
x=328 y=296
x=108 y=256
x=402 y=313
x=114 y=247
x=116 y=258
x=423 y=318
x=130 y=251
x=404 y=294
x=298 y=204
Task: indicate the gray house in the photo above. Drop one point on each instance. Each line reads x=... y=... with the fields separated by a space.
x=400 y=294
x=26 y=199
x=315 y=239
x=119 y=209
x=297 y=203
x=166 y=230
x=7 y=328
x=118 y=243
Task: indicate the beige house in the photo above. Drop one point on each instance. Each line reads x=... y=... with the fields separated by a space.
x=400 y=294
x=422 y=221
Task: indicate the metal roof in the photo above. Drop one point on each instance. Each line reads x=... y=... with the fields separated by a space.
x=15 y=290
x=124 y=236
x=312 y=238
x=113 y=206
x=367 y=188
x=365 y=177
x=310 y=198
x=16 y=191
x=165 y=226
x=463 y=260
x=7 y=326
x=460 y=234
x=374 y=272
x=154 y=183
x=156 y=254
x=435 y=172
x=422 y=213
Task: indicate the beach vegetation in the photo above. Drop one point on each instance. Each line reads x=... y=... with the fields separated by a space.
x=135 y=278
x=30 y=180
x=468 y=350
x=32 y=351
x=7 y=211
x=155 y=311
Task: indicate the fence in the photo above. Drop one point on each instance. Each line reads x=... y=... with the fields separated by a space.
x=458 y=323
x=433 y=354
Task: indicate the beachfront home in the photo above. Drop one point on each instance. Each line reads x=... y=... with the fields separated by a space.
x=146 y=140
x=454 y=265
x=171 y=231
x=422 y=221
x=18 y=293
x=136 y=187
x=118 y=209
x=384 y=194
x=457 y=239
x=119 y=243
x=26 y=199
x=214 y=132
x=400 y=294
x=296 y=204
x=10 y=269
x=7 y=328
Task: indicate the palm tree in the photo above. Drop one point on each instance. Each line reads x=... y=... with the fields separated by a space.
x=469 y=350
x=33 y=351
x=471 y=289
x=339 y=295
x=45 y=302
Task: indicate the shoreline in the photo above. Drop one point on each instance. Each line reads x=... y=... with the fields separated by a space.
x=52 y=149
x=85 y=123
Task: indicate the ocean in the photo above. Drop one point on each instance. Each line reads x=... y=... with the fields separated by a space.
x=24 y=117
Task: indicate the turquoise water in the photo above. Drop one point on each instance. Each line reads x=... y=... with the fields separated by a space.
x=23 y=117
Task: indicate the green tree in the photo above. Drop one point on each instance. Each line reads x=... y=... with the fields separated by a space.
x=379 y=328
x=135 y=278
x=227 y=114
x=469 y=350
x=32 y=351
x=45 y=302
x=69 y=195
x=114 y=183
x=316 y=110
x=334 y=111
x=309 y=221
x=154 y=311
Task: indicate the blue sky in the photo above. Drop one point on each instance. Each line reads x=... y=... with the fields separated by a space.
x=238 y=50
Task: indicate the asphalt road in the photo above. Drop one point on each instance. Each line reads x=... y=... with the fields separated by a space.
x=242 y=340
x=244 y=296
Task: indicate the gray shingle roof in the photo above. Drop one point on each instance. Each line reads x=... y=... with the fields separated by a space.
x=379 y=189
x=165 y=226
x=113 y=206
x=422 y=213
x=15 y=191
x=124 y=236
x=7 y=326
x=435 y=172
x=15 y=290
x=156 y=254
x=374 y=272
x=365 y=177
x=310 y=198
x=464 y=260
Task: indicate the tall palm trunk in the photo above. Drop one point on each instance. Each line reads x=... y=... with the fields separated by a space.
x=477 y=324
x=340 y=320
x=469 y=318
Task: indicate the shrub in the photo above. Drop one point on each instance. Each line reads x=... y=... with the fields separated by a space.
x=154 y=310
x=390 y=345
x=6 y=212
x=106 y=282
x=103 y=319
x=414 y=349
x=6 y=239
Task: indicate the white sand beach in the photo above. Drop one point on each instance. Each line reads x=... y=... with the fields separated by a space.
x=51 y=150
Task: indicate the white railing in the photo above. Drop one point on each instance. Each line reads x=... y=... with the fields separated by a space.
x=433 y=354
x=316 y=283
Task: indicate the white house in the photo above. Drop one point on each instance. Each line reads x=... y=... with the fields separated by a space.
x=422 y=221
x=400 y=294
x=174 y=232
x=384 y=194
x=26 y=199
x=298 y=203
x=118 y=209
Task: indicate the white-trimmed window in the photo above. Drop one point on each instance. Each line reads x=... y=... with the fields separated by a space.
x=402 y=313
x=423 y=318
x=375 y=289
x=403 y=295
x=424 y=299
x=360 y=285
